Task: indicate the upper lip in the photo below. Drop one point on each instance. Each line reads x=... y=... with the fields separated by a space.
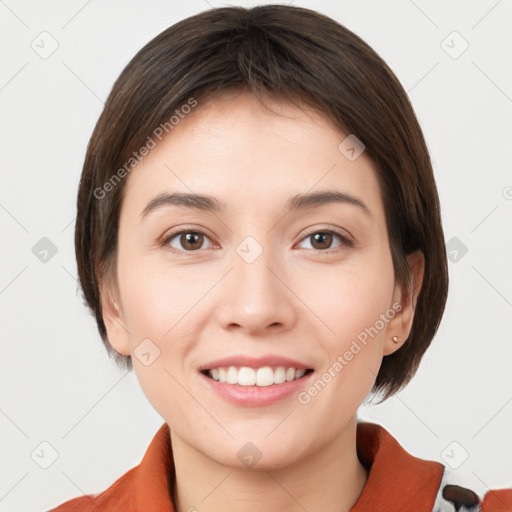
x=255 y=362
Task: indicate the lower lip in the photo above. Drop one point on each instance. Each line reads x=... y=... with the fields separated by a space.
x=256 y=395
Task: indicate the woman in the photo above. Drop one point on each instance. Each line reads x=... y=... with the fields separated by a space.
x=258 y=235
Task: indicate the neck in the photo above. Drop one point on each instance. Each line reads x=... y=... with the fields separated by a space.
x=329 y=480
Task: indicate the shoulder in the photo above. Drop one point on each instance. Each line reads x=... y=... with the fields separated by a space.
x=116 y=498
x=144 y=487
x=399 y=480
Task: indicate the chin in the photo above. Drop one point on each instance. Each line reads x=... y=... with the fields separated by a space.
x=251 y=458
x=257 y=452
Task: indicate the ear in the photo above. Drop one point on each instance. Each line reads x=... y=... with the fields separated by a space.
x=113 y=318
x=405 y=302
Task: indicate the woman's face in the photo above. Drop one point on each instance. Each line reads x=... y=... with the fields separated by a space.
x=267 y=281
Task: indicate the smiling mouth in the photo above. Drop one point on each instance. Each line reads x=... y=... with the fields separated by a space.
x=263 y=376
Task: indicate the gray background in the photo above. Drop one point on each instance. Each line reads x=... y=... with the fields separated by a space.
x=57 y=385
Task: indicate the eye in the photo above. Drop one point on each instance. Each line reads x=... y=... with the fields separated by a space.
x=323 y=239
x=193 y=240
x=189 y=240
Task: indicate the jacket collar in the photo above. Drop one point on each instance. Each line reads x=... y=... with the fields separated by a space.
x=396 y=481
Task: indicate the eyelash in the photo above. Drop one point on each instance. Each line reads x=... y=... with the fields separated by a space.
x=349 y=242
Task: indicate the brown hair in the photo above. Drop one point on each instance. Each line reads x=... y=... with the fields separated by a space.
x=293 y=54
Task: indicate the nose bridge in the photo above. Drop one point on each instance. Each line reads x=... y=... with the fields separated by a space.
x=255 y=283
x=256 y=298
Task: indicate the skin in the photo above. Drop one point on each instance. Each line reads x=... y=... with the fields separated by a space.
x=298 y=299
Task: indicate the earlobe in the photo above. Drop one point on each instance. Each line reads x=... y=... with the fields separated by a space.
x=392 y=344
x=400 y=327
x=117 y=333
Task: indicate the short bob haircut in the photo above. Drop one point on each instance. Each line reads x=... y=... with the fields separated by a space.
x=286 y=53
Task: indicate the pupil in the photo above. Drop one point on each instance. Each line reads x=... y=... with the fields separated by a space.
x=321 y=238
x=189 y=237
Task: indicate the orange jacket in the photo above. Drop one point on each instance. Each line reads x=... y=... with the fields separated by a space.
x=397 y=481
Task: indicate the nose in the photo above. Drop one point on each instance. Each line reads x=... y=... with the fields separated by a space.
x=256 y=297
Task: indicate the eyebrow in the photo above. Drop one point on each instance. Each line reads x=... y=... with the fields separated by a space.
x=212 y=204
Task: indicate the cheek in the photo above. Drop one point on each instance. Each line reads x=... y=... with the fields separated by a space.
x=356 y=310
x=160 y=304
x=352 y=298
x=157 y=299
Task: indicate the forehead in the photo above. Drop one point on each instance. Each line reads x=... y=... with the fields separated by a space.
x=242 y=152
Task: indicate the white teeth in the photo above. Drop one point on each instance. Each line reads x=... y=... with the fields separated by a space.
x=265 y=376
x=279 y=375
x=246 y=376
x=232 y=375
